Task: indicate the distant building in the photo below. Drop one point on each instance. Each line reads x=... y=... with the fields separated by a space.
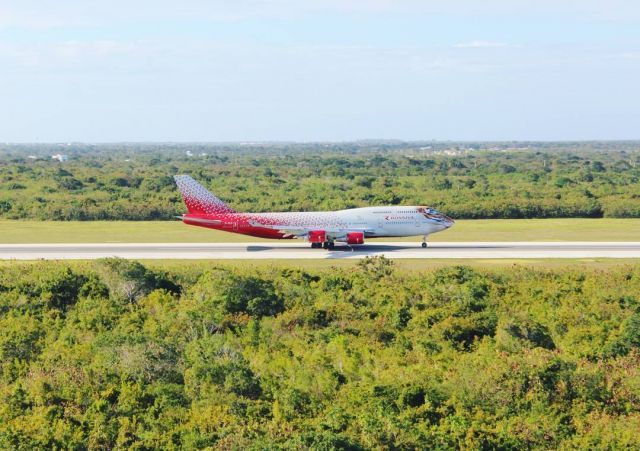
x=60 y=157
x=189 y=153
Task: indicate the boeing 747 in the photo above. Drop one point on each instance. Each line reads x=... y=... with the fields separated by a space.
x=321 y=228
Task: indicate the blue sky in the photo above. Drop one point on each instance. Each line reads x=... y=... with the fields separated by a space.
x=254 y=70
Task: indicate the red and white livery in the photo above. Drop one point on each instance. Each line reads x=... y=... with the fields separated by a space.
x=321 y=228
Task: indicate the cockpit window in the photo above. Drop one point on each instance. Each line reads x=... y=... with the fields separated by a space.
x=431 y=213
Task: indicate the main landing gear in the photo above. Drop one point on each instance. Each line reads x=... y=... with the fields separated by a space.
x=424 y=242
x=326 y=245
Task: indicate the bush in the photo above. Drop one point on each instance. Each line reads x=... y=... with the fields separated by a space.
x=234 y=294
x=130 y=280
x=53 y=287
x=234 y=358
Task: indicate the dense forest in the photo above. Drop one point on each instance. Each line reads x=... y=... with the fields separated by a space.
x=113 y=354
x=465 y=180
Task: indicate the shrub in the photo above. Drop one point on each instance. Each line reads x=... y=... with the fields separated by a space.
x=233 y=294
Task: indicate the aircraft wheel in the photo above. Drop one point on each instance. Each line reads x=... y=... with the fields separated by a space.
x=424 y=245
x=331 y=245
x=325 y=245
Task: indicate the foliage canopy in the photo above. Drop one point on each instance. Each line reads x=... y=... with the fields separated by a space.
x=112 y=354
x=465 y=180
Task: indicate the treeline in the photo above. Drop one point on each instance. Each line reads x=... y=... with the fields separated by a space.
x=113 y=355
x=132 y=182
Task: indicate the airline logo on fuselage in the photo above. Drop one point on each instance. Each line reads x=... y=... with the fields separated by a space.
x=397 y=218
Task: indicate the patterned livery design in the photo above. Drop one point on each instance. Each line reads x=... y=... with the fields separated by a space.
x=321 y=228
x=198 y=199
x=430 y=213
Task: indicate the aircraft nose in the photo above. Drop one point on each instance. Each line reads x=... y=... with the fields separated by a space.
x=441 y=219
x=447 y=221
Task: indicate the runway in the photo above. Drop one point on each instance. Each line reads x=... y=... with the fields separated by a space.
x=301 y=250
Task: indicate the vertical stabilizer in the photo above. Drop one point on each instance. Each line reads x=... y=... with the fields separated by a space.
x=198 y=199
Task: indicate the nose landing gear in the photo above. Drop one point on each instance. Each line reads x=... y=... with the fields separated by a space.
x=424 y=242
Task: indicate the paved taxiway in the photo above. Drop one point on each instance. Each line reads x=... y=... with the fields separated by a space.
x=301 y=250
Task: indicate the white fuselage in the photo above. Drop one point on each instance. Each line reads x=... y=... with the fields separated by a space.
x=391 y=221
x=320 y=227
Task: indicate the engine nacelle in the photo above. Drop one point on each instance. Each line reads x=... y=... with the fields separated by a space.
x=317 y=236
x=355 y=238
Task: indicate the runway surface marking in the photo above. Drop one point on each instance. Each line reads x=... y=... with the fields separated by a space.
x=301 y=250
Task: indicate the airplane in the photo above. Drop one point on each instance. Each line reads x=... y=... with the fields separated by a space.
x=320 y=228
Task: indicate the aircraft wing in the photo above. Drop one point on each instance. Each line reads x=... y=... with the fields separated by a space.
x=299 y=231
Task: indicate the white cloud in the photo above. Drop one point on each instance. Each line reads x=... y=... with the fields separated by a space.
x=77 y=54
x=481 y=45
x=630 y=55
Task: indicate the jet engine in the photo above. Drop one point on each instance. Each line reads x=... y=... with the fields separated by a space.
x=355 y=238
x=317 y=236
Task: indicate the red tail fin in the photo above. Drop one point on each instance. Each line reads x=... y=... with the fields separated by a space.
x=198 y=199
